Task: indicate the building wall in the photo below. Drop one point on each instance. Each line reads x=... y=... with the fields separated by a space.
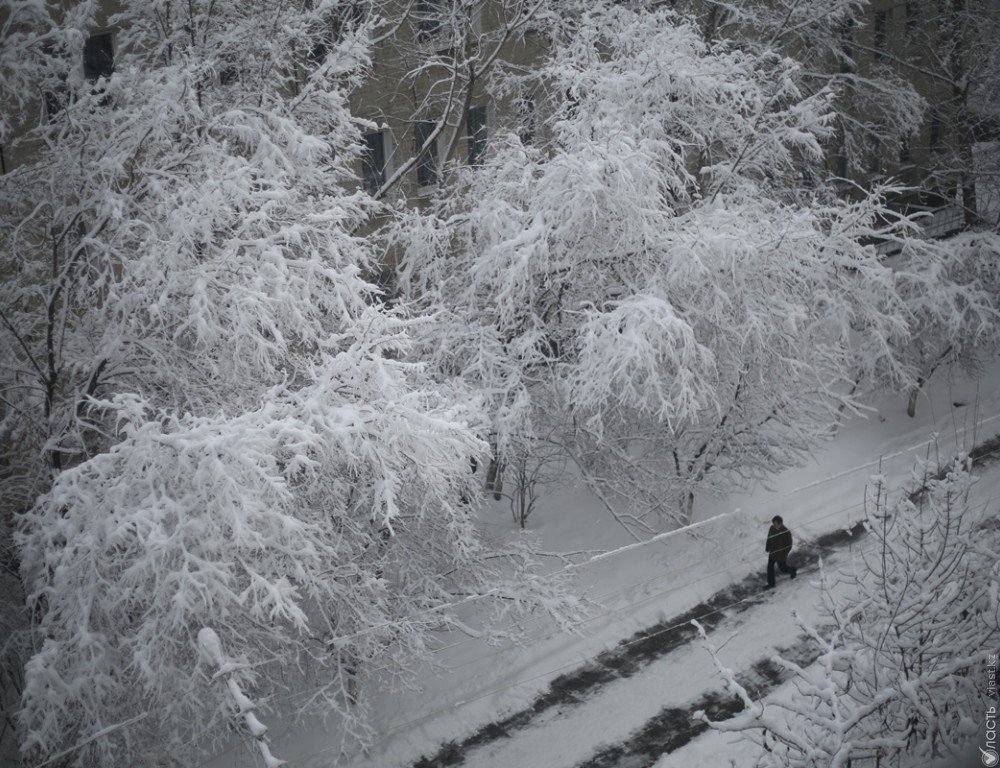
x=898 y=36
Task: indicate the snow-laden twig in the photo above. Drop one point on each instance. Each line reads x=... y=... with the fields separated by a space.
x=211 y=650
x=898 y=651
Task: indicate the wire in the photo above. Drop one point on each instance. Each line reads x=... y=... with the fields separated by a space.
x=645 y=599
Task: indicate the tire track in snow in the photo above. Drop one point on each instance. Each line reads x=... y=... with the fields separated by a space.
x=673 y=727
x=634 y=654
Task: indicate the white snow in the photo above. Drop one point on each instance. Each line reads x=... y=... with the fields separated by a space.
x=477 y=684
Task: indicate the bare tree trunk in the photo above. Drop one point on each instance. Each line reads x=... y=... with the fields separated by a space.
x=687 y=508
x=494 y=479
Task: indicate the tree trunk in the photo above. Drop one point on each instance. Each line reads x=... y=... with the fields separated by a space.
x=494 y=479
x=687 y=508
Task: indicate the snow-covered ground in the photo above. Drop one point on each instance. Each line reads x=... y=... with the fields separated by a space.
x=476 y=683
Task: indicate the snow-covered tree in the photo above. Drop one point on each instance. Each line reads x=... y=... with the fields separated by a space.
x=952 y=49
x=438 y=60
x=874 y=105
x=901 y=641
x=952 y=292
x=655 y=279
x=876 y=60
x=207 y=420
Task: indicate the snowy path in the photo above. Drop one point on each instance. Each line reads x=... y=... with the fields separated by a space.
x=634 y=702
x=490 y=705
x=631 y=706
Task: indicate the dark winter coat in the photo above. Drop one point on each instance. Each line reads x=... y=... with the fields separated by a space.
x=779 y=543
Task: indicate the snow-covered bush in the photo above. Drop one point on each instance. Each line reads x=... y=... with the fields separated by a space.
x=207 y=420
x=901 y=649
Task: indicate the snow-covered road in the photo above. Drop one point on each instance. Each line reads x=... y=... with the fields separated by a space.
x=642 y=716
x=629 y=720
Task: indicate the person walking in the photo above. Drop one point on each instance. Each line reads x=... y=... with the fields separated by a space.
x=779 y=544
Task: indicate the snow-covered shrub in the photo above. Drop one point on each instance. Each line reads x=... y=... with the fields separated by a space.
x=902 y=649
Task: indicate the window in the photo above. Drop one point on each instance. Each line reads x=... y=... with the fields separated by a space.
x=98 y=57
x=319 y=50
x=910 y=23
x=426 y=151
x=904 y=150
x=526 y=121
x=847 y=46
x=874 y=155
x=944 y=21
x=373 y=161
x=881 y=22
x=475 y=122
x=935 y=137
x=428 y=15
x=229 y=74
x=54 y=101
x=348 y=17
x=842 y=165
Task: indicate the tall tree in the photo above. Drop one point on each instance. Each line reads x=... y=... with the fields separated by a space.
x=949 y=50
x=656 y=279
x=207 y=423
x=834 y=41
x=956 y=53
x=438 y=61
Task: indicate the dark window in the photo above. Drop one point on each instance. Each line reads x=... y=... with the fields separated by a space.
x=874 y=155
x=842 y=162
x=526 y=121
x=229 y=74
x=910 y=13
x=318 y=52
x=847 y=46
x=344 y=21
x=54 y=95
x=54 y=101
x=388 y=287
x=935 y=138
x=944 y=22
x=98 y=57
x=427 y=171
x=475 y=121
x=428 y=15
x=373 y=162
x=881 y=22
x=348 y=19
